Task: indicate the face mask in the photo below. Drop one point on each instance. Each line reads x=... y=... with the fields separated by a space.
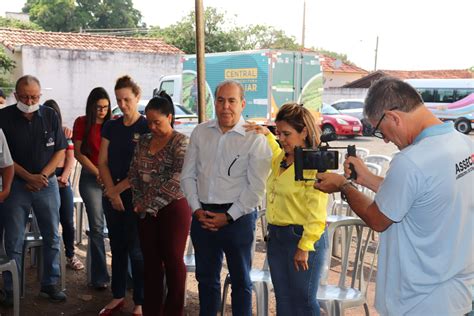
x=27 y=108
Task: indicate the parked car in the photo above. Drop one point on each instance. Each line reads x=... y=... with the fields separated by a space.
x=334 y=121
x=355 y=108
x=184 y=120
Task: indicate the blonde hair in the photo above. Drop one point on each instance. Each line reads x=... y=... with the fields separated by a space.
x=299 y=117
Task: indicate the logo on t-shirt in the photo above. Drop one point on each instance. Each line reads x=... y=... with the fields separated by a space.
x=464 y=166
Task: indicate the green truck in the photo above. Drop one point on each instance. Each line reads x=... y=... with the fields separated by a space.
x=270 y=78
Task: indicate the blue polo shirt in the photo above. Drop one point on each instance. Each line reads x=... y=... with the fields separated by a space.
x=32 y=143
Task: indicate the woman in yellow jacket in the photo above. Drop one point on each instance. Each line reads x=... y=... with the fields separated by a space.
x=296 y=214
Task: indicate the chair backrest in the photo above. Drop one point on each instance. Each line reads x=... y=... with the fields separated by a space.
x=381 y=160
x=357 y=244
x=260 y=217
x=76 y=174
x=362 y=152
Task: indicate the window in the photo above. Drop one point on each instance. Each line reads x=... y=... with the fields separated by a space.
x=462 y=93
x=340 y=106
x=427 y=95
x=444 y=95
x=168 y=86
x=355 y=105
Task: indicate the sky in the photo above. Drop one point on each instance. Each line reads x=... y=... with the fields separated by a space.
x=412 y=34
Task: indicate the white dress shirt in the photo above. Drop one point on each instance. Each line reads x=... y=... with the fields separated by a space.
x=222 y=168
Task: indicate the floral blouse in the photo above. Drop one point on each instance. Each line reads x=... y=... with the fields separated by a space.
x=154 y=178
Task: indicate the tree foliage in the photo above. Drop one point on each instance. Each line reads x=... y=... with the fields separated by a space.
x=6 y=66
x=17 y=24
x=221 y=35
x=341 y=57
x=72 y=15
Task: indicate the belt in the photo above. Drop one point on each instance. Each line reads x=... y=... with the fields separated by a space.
x=212 y=207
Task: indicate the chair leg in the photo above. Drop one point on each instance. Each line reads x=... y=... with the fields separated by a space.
x=186 y=290
x=261 y=295
x=224 y=294
x=79 y=206
x=88 y=262
x=22 y=274
x=16 y=288
x=366 y=309
x=62 y=264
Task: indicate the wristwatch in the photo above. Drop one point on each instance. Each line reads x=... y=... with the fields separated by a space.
x=229 y=218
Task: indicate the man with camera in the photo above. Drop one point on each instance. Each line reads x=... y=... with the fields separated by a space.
x=223 y=179
x=423 y=207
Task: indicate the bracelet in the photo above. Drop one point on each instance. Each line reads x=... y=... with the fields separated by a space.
x=342 y=189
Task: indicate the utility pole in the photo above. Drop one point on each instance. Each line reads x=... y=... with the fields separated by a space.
x=201 y=65
x=376 y=52
x=304 y=24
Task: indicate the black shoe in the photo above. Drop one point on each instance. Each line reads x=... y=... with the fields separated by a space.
x=6 y=298
x=52 y=293
x=99 y=286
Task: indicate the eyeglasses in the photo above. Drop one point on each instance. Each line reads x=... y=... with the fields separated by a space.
x=102 y=108
x=377 y=133
x=26 y=98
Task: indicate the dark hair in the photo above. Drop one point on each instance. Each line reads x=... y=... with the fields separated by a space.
x=231 y=83
x=95 y=95
x=26 y=80
x=2 y=94
x=299 y=117
x=54 y=105
x=127 y=82
x=388 y=93
x=163 y=104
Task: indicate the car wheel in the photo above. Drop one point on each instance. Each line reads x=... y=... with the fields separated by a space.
x=462 y=125
x=328 y=129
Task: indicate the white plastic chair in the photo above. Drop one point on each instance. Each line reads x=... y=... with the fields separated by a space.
x=190 y=263
x=335 y=298
x=381 y=160
x=362 y=152
x=261 y=278
x=79 y=205
x=10 y=265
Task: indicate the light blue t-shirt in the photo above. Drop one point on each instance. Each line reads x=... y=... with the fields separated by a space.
x=426 y=263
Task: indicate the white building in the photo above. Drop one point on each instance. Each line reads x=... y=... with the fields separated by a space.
x=70 y=65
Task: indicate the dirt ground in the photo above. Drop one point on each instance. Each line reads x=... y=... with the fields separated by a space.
x=85 y=301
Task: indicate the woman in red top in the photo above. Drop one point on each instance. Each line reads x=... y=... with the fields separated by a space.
x=87 y=137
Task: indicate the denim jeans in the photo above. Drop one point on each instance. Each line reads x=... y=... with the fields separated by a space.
x=91 y=194
x=66 y=216
x=235 y=241
x=295 y=291
x=125 y=244
x=45 y=205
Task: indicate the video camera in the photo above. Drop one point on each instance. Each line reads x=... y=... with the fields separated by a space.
x=321 y=158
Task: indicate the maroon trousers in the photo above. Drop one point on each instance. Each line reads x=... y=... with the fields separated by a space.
x=163 y=242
